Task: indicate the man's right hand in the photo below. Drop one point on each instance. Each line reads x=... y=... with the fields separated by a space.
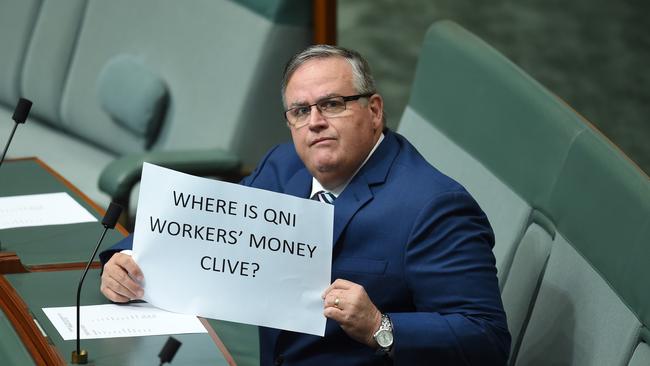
x=121 y=279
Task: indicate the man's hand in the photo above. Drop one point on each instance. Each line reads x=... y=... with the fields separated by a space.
x=348 y=304
x=121 y=279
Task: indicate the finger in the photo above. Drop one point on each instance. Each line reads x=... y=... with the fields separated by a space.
x=333 y=299
x=112 y=295
x=108 y=288
x=119 y=288
x=128 y=263
x=338 y=284
x=123 y=269
x=119 y=275
x=335 y=314
x=126 y=285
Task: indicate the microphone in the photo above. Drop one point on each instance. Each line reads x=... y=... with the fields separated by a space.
x=80 y=356
x=168 y=351
x=20 y=115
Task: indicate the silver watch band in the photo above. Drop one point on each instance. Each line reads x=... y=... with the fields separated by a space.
x=384 y=335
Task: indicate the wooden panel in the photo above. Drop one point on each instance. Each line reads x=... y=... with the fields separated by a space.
x=324 y=22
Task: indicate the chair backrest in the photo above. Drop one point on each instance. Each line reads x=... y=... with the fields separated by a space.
x=48 y=55
x=111 y=78
x=16 y=25
x=594 y=303
x=220 y=60
x=199 y=75
x=518 y=148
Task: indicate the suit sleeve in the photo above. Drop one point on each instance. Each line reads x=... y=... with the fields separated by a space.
x=451 y=273
x=126 y=243
x=264 y=168
x=274 y=169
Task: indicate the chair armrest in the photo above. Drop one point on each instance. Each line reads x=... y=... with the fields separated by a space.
x=119 y=177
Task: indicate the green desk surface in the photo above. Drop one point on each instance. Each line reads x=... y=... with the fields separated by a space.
x=53 y=289
x=12 y=350
x=241 y=340
x=52 y=244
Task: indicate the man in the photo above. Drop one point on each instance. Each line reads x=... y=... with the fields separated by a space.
x=414 y=277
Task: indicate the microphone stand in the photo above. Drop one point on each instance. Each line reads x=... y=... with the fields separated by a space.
x=11 y=136
x=80 y=356
x=20 y=116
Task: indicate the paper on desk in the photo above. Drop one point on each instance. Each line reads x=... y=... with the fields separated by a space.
x=41 y=209
x=114 y=321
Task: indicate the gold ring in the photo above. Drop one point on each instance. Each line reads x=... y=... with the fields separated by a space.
x=336 y=302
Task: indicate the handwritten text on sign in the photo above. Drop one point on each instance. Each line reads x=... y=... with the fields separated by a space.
x=230 y=252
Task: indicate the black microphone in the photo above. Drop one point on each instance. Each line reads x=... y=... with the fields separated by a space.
x=168 y=351
x=20 y=115
x=80 y=356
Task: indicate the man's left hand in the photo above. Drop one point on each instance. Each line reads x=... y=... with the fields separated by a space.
x=348 y=304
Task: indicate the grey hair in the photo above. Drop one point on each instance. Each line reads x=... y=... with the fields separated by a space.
x=362 y=78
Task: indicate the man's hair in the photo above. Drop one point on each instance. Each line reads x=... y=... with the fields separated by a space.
x=362 y=78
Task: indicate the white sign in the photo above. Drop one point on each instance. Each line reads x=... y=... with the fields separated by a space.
x=114 y=321
x=225 y=251
x=41 y=209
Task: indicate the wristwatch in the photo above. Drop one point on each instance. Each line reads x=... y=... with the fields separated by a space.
x=384 y=335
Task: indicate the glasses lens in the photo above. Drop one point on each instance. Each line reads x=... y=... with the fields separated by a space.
x=332 y=106
x=298 y=114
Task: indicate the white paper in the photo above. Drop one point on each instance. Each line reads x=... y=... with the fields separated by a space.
x=114 y=321
x=205 y=262
x=41 y=209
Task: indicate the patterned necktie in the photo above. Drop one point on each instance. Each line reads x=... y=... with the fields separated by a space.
x=324 y=196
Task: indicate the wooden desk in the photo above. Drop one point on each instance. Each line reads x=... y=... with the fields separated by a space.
x=25 y=294
x=53 y=256
x=53 y=247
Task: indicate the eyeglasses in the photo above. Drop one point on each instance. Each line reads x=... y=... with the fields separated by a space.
x=299 y=116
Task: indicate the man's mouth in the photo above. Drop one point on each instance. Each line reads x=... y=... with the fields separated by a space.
x=320 y=139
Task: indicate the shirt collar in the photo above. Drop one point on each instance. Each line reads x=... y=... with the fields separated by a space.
x=316 y=186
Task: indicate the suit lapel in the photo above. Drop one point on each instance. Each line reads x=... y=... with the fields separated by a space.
x=299 y=184
x=355 y=195
x=358 y=192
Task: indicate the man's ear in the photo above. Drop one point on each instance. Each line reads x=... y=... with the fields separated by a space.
x=376 y=104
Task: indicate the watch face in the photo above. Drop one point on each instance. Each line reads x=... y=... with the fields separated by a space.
x=384 y=338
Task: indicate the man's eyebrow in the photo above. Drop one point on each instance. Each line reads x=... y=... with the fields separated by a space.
x=299 y=103
x=302 y=103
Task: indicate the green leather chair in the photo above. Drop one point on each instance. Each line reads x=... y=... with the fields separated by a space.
x=571 y=213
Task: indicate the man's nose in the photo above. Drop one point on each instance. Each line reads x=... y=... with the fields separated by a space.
x=316 y=118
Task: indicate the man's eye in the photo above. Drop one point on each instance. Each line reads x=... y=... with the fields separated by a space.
x=331 y=104
x=301 y=111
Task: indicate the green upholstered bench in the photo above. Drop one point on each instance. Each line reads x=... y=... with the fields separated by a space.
x=192 y=86
x=571 y=213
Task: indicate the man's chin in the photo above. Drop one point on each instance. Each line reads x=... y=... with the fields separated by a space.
x=322 y=161
x=324 y=172
x=325 y=167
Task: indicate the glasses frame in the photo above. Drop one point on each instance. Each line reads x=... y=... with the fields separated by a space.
x=346 y=99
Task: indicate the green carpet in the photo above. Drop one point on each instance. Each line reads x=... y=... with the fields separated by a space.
x=594 y=54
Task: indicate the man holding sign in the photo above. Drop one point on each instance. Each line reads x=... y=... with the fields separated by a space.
x=414 y=277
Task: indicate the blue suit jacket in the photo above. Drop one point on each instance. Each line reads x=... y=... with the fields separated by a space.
x=422 y=249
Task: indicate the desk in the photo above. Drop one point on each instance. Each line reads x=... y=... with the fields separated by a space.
x=52 y=247
x=41 y=250
x=25 y=294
